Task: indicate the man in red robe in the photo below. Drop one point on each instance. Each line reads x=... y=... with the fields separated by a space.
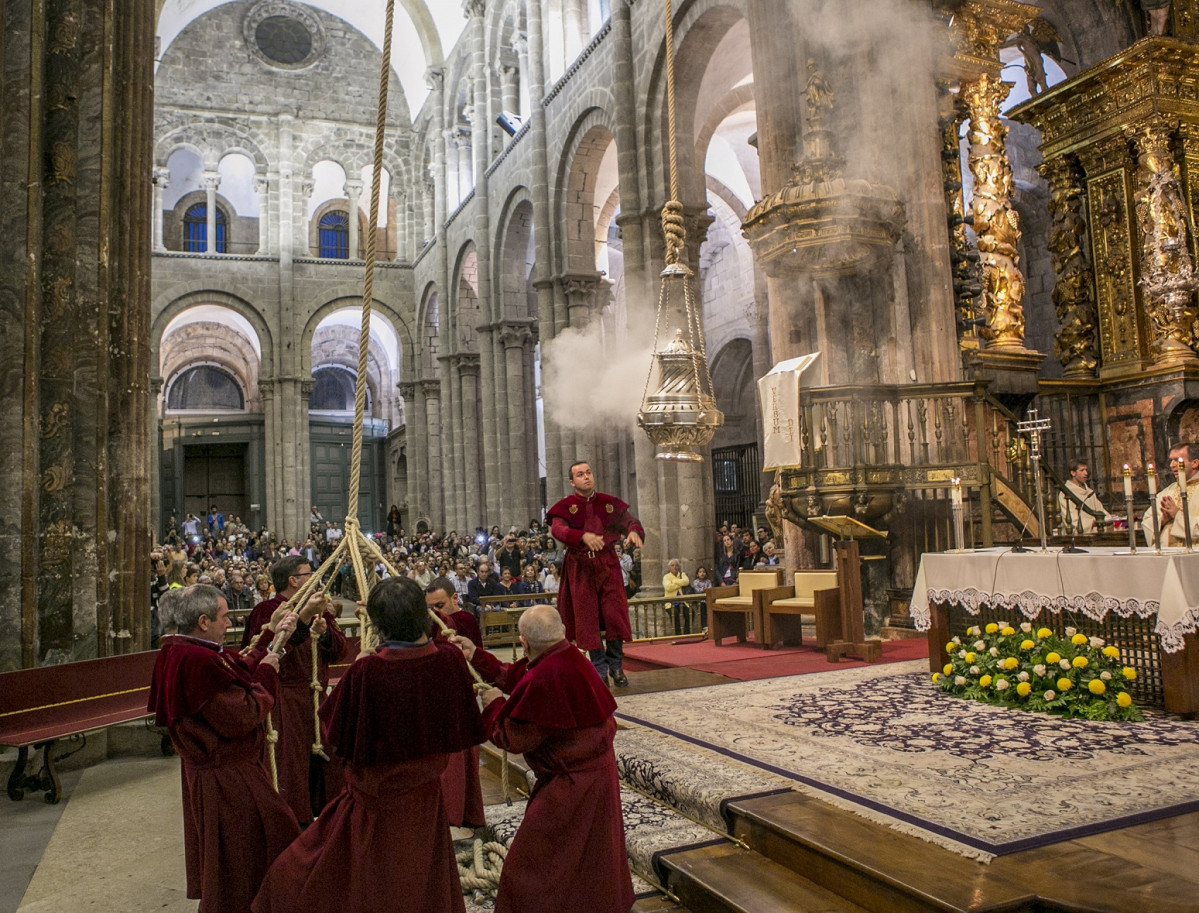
x=213 y=703
x=569 y=852
x=591 y=597
x=394 y=719
x=301 y=774
x=460 y=785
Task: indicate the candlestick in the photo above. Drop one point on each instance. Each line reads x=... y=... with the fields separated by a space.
x=1127 y=484
x=1128 y=510
x=1151 y=478
x=959 y=526
x=1186 y=511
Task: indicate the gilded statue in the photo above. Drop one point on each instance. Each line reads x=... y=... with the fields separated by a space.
x=1073 y=297
x=821 y=97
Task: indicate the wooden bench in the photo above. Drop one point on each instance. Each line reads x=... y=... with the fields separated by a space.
x=813 y=593
x=731 y=607
x=40 y=706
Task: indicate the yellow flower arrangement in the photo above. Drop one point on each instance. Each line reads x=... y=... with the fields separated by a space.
x=1070 y=674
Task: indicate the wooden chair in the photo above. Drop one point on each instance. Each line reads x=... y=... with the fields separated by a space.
x=729 y=607
x=813 y=593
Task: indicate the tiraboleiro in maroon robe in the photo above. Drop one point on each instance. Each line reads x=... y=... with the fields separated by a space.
x=569 y=852
x=591 y=596
x=461 y=788
x=294 y=718
x=234 y=823
x=384 y=844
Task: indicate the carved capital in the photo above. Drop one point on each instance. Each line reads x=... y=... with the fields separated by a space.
x=211 y=179
x=516 y=335
x=431 y=387
x=435 y=78
x=474 y=9
x=161 y=178
x=468 y=364
x=306 y=188
x=520 y=44
x=352 y=190
x=262 y=184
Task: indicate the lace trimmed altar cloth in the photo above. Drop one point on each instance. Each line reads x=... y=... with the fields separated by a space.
x=1101 y=581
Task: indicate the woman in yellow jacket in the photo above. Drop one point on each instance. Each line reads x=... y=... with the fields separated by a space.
x=674 y=581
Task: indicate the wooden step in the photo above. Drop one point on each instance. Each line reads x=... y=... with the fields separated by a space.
x=885 y=871
x=726 y=879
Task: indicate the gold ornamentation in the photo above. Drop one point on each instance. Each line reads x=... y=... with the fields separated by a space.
x=574 y=508
x=1075 y=344
x=609 y=508
x=1167 y=271
x=64 y=163
x=56 y=478
x=65 y=35
x=995 y=221
x=58 y=294
x=56 y=543
x=55 y=420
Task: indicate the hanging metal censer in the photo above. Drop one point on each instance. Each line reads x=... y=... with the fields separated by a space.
x=681 y=414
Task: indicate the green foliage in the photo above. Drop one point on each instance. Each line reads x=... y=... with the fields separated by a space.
x=1039 y=670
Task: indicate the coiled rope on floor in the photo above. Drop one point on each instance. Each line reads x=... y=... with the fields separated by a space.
x=480 y=866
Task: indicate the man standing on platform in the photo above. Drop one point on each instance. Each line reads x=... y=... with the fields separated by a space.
x=301 y=775
x=569 y=852
x=591 y=598
x=1169 y=502
x=1080 y=518
x=213 y=704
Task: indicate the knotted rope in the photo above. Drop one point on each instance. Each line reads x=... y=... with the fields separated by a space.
x=480 y=865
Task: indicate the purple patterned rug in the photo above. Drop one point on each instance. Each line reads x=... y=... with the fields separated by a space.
x=885 y=743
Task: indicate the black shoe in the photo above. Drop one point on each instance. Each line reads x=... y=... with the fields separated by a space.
x=619 y=678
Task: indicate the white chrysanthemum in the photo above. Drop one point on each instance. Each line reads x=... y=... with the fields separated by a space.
x=1065 y=664
x=1023 y=676
x=1098 y=643
x=974 y=670
x=1070 y=632
x=1105 y=676
x=1050 y=694
x=1040 y=669
x=1026 y=627
x=980 y=645
x=961 y=654
x=959 y=680
x=957 y=640
x=1002 y=685
x=994 y=651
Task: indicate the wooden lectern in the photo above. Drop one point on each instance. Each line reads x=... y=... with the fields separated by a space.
x=849 y=582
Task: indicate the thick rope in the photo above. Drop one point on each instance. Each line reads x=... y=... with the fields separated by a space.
x=479 y=867
x=368 y=283
x=672 y=212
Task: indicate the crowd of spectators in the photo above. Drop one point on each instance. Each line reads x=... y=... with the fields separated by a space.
x=226 y=553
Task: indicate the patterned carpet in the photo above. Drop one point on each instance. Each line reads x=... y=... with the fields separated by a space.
x=650 y=830
x=887 y=744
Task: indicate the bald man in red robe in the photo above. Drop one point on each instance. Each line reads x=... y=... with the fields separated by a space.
x=302 y=779
x=394 y=719
x=591 y=597
x=569 y=852
x=460 y=784
x=213 y=703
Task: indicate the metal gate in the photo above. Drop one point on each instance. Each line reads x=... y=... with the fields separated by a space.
x=736 y=475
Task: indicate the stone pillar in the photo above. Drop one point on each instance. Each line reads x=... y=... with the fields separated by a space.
x=474 y=508
x=520 y=44
x=433 y=487
x=464 y=148
x=497 y=474
x=400 y=198
x=576 y=28
x=456 y=486
x=75 y=215
x=212 y=180
x=262 y=186
x=415 y=447
x=353 y=190
x=509 y=88
x=516 y=340
x=161 y=180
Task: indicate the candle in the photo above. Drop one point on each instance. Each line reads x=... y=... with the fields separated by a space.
x=955 y=493
x=1151 y=476
x=1128 y=485
x=1182 y=470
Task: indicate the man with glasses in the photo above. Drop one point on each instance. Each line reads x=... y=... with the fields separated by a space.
x=1169 y=502
x=301 y=775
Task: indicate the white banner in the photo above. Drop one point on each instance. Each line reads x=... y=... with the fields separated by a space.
x=778 y=398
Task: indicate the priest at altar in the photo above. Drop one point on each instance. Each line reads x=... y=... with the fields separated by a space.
x=1169 y=503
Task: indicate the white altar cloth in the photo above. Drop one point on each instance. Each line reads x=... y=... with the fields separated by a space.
x=1103 y=580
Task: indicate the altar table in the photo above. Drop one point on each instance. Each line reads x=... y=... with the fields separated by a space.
x=1162 y=589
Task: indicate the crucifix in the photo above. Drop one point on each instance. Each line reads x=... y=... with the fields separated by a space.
x=1032 y=427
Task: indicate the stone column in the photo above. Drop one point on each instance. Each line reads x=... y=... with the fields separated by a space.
x=464 y=148
x=576 y=28
x=433 y=487
x=456 y=487
x=509 y=88
x=474 y=508
x=417 y=455
x=400 y=198
x=262 y=186
x=496 y=450
x=161 y=180
x=353 y=190
x=579 y=291
x=212 y=180
x=517 y=339
x=520 y=45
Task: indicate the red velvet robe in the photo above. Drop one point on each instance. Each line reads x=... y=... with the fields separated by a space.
x=591 y=596
x=460 y=785
x=234 y=823
x=294 y=718
x=384 y=843
x=569 y=852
